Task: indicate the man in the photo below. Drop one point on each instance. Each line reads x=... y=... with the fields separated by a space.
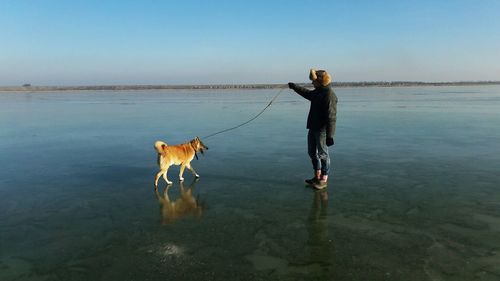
x=320 y=122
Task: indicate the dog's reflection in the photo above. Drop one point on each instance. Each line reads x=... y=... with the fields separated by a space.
x=174 y=209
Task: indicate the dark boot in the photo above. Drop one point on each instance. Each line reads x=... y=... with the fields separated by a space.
x=321 y=183
x=315 y=179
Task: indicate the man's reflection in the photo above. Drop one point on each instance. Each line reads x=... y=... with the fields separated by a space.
x=186 y=204
x=319 y=243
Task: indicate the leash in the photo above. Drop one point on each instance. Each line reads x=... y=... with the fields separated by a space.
x=246 y=122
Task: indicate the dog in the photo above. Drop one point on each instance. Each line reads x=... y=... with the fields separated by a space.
x=181 y=154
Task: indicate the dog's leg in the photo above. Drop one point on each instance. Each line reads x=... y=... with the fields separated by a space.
x=192 y=170
x=165 y=176
x=158 y=177
x=181 y=172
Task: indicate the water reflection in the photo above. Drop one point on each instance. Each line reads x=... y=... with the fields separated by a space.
x=319 y=243
x=186 y=204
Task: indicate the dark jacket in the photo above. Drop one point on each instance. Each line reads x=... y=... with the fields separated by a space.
x=323 y=110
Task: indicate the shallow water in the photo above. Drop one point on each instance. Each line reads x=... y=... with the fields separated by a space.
x=414 y=193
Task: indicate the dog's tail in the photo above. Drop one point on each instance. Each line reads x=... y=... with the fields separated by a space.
x=160 y=147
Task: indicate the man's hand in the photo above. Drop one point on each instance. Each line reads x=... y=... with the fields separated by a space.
x=291 y=85
x=329 y=141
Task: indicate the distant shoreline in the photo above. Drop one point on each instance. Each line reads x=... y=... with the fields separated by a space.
x=235 y=86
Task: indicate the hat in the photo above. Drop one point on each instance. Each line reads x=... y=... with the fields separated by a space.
x=321 y=76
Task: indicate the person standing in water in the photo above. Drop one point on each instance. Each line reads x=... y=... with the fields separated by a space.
x=321 y=122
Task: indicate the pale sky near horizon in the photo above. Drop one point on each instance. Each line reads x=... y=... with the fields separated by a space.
x=217 y=42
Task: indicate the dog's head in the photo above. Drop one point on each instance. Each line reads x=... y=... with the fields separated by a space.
x=198 y=145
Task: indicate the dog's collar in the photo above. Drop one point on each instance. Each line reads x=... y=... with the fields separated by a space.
x=195 y=154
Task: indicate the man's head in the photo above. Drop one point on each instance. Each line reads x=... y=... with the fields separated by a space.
x=320 y=78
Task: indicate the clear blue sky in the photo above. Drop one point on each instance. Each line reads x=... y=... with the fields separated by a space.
x=197 y=42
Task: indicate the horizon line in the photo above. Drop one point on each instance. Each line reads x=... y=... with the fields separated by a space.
x=28 y=87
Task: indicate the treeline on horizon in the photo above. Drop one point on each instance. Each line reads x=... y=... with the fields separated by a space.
x=29 y=87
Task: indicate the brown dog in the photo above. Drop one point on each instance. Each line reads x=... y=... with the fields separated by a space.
x=181 y=154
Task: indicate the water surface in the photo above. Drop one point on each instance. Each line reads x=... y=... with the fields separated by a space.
x=413 y=195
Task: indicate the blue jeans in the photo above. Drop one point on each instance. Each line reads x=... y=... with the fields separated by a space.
x=318 y=151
